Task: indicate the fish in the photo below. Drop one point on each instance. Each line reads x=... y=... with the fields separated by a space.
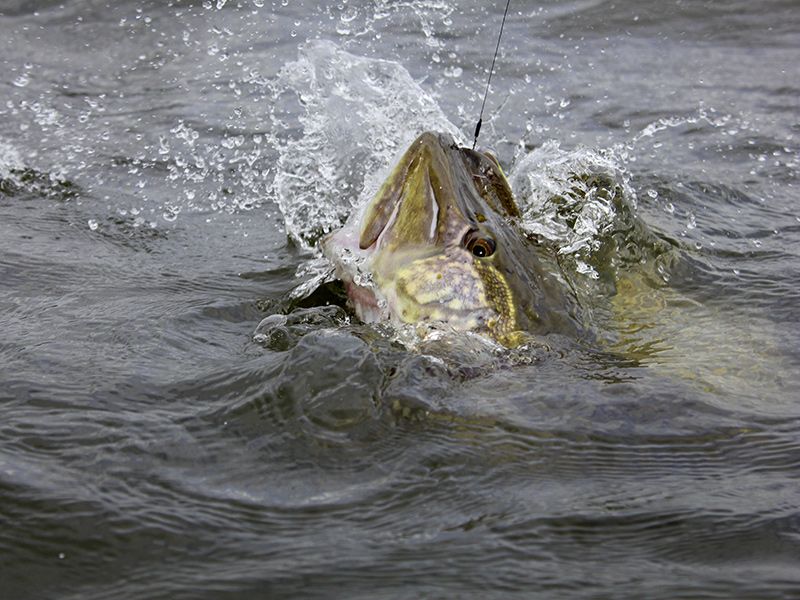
x=441 y=244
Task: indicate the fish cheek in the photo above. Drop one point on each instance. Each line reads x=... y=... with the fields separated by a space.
x=439 y=289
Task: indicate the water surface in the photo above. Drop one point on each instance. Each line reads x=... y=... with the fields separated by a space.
x=164 y=171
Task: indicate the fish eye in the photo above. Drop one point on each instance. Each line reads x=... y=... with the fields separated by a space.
x=480 y=246
x=483 y=247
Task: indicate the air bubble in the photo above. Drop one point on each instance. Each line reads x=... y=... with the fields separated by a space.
x=171 y=213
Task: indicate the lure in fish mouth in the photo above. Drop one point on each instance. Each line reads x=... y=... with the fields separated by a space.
x=439 y=243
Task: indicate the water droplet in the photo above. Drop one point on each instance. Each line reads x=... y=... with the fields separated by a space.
x=221 y=3
x=22 y=81
x=348 y=15
x=453 y=72
x=93 y=225
x=652 y=193
x=163 y=145
x=171 y=213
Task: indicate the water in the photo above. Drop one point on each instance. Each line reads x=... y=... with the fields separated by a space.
x=159 y=441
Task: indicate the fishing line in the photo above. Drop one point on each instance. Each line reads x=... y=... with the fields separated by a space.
x=491 y=70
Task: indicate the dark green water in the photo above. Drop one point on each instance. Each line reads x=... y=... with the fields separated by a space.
x=157 y=441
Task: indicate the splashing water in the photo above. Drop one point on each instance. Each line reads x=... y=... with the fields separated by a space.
x=560 y=199
x=359 y=114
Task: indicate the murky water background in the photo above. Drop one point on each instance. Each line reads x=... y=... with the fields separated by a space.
x=156 y=441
